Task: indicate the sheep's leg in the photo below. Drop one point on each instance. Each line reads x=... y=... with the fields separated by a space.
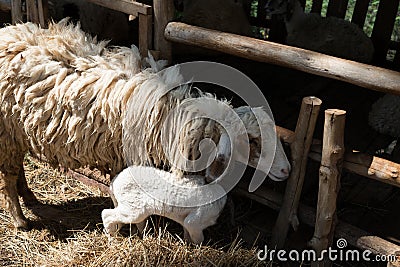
x=186 y=235
x=23 y=190
x=8 y=187
x=140 y=227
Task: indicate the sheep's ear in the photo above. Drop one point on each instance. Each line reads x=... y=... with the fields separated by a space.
x=221 y=160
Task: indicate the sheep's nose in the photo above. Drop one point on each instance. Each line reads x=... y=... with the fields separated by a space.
x=221 y=158
x=285 y=172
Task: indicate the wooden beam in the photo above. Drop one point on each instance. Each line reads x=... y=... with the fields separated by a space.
x=88 y=181
x=145 y=34
x=376 y=168
x=32 y=13
x=299 y=148
x=363 y=75
x=329 y=183
x=125 y=6
x=43 y=12
x=355 y=162
x=16 y=11
x=163 y=13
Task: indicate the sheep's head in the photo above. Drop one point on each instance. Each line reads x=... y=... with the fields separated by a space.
x=263 y=151
x=260 y=147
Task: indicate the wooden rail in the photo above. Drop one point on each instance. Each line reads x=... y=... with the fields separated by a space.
x=125 y=6
x=363 y=75
x=355 y=162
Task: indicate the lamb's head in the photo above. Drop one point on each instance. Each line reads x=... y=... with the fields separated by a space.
x=258 y=155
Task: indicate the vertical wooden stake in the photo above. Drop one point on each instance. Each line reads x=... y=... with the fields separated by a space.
x=299 y=150
x=329 y=182
x=163 y=13
x=16 y=11
x=32 y=13
x=145 y=34
x=43 y=12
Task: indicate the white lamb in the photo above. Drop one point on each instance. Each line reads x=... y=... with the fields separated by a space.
x=139 y=192
x=328 y=35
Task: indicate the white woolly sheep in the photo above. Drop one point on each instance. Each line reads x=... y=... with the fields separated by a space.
x=139 y=192
x=328 y=35
x=384 y=116
x=71 y=101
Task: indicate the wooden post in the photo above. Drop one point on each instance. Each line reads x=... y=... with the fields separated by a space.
x=300 y=148
x=145 y=33
x=32 y=13
x=163 y=13
x=16 y=12
x=43 y=12
x=329 y=182
x=395 y=263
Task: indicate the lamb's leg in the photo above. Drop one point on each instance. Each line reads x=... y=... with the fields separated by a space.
x=115 y=202
x=23 y=190
x=110 y=221
x=112 y=218
x=8 y=187
x=193 y=230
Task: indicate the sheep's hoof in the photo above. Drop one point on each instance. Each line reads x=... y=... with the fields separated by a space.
x=31 y=202
x=24 y=226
